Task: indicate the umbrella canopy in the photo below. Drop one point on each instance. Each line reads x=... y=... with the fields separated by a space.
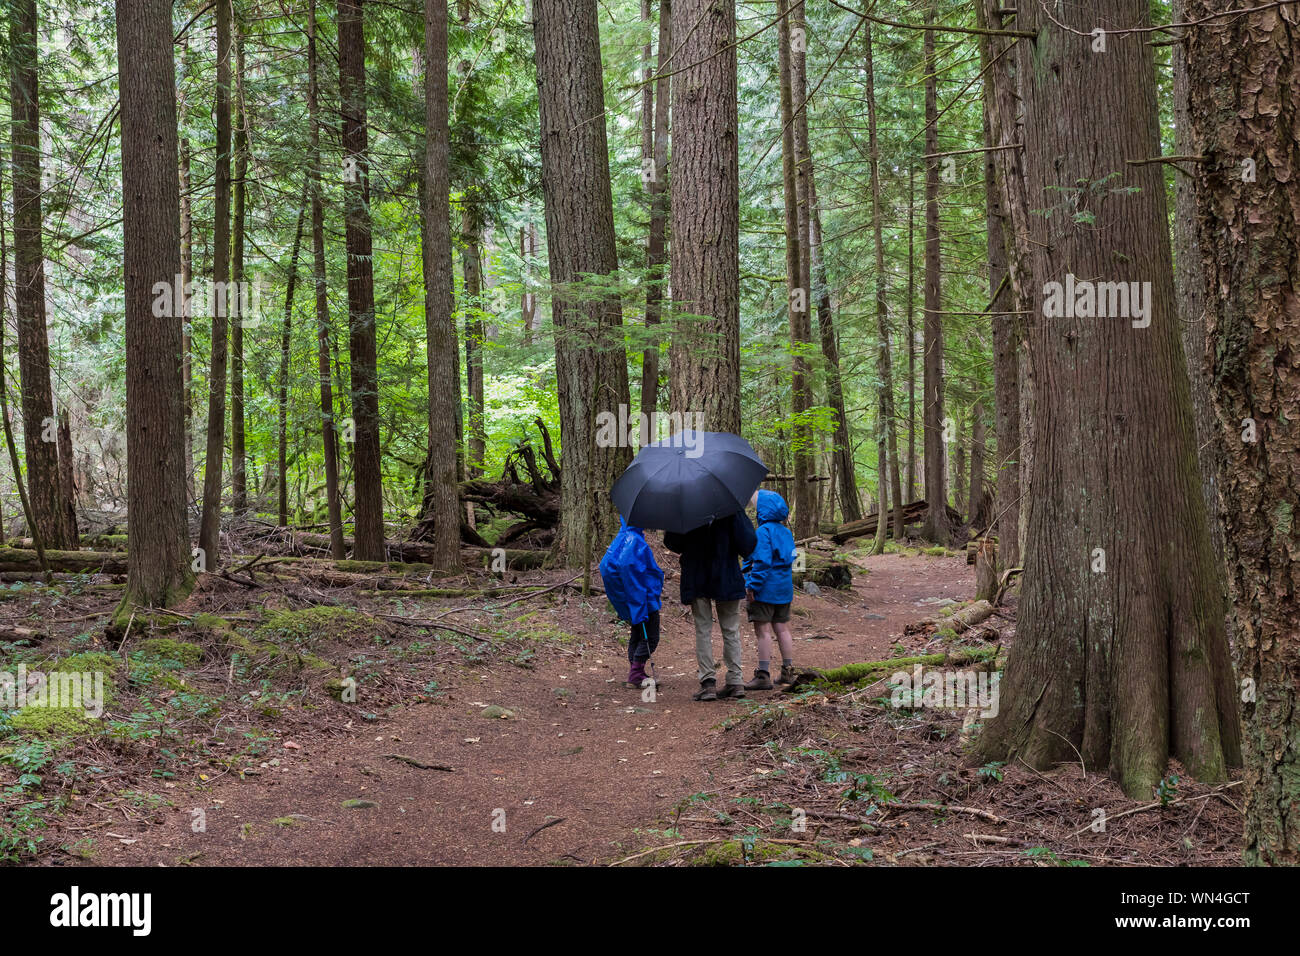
x=688 y=480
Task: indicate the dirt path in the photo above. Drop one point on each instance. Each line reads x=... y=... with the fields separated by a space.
x=581 y=749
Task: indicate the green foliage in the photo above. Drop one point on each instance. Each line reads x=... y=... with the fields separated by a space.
x=495 y=180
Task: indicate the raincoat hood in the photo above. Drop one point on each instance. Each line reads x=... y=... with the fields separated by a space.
x=772 y=507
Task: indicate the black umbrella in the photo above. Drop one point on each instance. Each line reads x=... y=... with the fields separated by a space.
x=688 y=480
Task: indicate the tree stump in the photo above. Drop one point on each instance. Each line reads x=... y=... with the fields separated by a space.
x=986 y=572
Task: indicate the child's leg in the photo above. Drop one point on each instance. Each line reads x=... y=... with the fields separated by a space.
x=763 y=631
x=785 y=640
x=650 y=636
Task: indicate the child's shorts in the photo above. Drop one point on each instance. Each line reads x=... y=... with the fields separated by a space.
x=760 y=612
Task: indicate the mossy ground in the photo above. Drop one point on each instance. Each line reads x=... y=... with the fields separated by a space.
x=743 y=853
x=181 y=653
x=192 y=692
x=312 y=626
x=533 y=626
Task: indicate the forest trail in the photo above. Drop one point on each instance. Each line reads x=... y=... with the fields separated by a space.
x=581 y=765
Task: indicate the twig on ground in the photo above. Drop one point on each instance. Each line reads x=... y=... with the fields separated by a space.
x=419 y=764
x=945 y=808
x=434 y=623
x=1157 y=803
x=548 y=823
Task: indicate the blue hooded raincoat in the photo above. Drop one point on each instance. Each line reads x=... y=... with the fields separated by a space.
x=767 y=572
x=632 y=578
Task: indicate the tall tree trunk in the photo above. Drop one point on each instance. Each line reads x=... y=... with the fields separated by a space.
x=285 y=338
x=884 y=360
x=958 y=463
x=794 y=194
x=442 y=500
x=1242 y=74
x=472 y=305
x=158 y=562
x=590 y=360
x=1189 y=286
x=978 y=499
x=39 y=424
x=1006 y=336
x=842 y=464
x=805 y=511
x=187 y=278
x=882 y=478
x=210 y=526
x=527 y=300
x=1006 y=127
x=937 y=527
x=705 y=248
x=37 y=538
x=238 y=449
x=368 y=508
x=1121 y=659
x=329 y=433
x=911 y=338
x=654 y=155
x=68 y=485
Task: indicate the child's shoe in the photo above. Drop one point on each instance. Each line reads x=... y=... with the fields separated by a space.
x=762 y=681
x=636 y=674
x=788 y=675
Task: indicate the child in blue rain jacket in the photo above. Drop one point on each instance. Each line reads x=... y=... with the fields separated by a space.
x=633 y=583
x=769 y=589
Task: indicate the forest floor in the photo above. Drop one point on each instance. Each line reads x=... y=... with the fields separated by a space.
x=514 y=741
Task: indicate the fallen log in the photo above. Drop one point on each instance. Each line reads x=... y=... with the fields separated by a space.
x=865 y=527
x=96 y=542
x=541 y=506
x=852 y=673
x=405 y=552
x=959 y=621
x=12 y=632
x=23 y=560
x=824 y=572
x=517 y=559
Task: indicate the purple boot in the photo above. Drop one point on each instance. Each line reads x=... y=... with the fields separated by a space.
x=636 y=674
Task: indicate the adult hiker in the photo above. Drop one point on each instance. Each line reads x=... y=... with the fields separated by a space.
x=695 y=486
x=711 y=577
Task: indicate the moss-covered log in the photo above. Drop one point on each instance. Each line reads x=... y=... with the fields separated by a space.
x=825 y=572
x=24 y=560
x=521 y=559
x=852 y=673
x=955 y=619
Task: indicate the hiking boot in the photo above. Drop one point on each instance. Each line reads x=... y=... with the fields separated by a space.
x=734 y=691
x=636 y=674
x=762 y=681
x=788 y=676
x=707 y=690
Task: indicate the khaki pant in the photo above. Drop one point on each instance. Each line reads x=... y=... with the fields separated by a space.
x=729 y=621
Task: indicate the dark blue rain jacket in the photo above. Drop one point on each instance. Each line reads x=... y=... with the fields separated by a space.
x=710 y=558
x=633 y=581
